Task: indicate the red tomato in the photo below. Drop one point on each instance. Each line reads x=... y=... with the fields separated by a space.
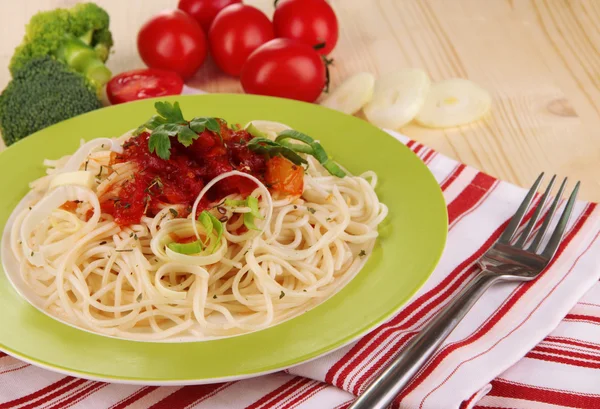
x=172 y=41
x=236 y=32
x=204 y=11
x=141 y=84
x=285 y=68
x=310 y=21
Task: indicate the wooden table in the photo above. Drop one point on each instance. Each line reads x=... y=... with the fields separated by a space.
x=540 y=59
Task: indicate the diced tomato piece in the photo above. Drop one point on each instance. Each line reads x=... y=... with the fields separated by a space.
x=70 y=206
x=284 y=177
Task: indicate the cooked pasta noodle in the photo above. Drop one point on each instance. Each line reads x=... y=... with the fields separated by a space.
x=126 y=281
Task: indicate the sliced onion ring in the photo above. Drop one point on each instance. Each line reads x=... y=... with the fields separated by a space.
x=79 y=157
x=352 y=94
x=454 y=102
x=398 y=98
x=44 y=208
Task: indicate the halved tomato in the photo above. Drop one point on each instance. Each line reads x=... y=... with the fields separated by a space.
x=143 y=83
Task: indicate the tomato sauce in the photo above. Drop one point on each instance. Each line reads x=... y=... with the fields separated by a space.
x=180 y=179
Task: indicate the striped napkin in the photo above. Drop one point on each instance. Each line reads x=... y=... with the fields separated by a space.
x=530 y=345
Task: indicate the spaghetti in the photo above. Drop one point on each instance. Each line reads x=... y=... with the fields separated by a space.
x=218 y=267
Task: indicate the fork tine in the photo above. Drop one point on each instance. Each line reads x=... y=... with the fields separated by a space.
x=534 y=218
x=559 y=230
x=542 y=232
x=518 y=216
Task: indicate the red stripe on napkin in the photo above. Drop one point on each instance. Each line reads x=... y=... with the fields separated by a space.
x=280 y=391
x=536 y=394
x=584 y=318
x=566 y=352
x=571 y=341
x=139 y=394
x=299 y=396
x=72 y=399
x=189 y=395
x=56 y=388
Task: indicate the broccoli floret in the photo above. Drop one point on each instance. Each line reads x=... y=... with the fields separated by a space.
x=43 y=92
x=79 y=37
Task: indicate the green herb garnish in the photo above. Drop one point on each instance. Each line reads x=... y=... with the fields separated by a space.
x=362 y=253
x=272 y=148
x=212 y=227
x=316 y=150
x=281 y=295
x=252 y=203
x=194 y=247
x=170 y=123
x=282 y=146
x=173 y=212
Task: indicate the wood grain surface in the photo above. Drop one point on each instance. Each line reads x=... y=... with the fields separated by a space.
x=540 y=59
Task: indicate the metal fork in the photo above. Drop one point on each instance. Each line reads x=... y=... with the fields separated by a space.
x=514 y=257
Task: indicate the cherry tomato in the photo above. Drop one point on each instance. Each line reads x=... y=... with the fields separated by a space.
x=204 y=11
x=310 y=21
x=285 y=68
x=141 y=84
x=172 y=41
x=236 y=32
x=284 y=177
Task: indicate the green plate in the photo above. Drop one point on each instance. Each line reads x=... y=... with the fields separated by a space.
x=412 y=240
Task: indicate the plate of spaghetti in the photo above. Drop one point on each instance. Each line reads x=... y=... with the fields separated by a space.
x=198 y=239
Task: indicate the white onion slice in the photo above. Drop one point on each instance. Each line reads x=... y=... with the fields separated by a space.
x=44 y=208
x=81 y=178
x=352 y=94
x=81 y=154
x=264 y=192
x=454 y=102
x=397 y=98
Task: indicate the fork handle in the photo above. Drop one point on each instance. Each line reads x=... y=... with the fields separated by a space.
x=384 y=389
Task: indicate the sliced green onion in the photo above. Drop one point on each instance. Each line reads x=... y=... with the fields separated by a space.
x=194 y=247
x=254 y=131
x=314 y=148
x=271 y=148
x=296 y=147
x=334 y=168
x=253 y=205
x=235 y=203
x=292 y=134
x=207 y=223
x=218 y=227
x=249 y=221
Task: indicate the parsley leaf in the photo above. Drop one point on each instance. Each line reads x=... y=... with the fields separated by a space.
x=172 y=113
x=200 y=124
x=151 y=124
x=170 y=123
x=160 y=139
x=186 y=136
x=161 y=144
